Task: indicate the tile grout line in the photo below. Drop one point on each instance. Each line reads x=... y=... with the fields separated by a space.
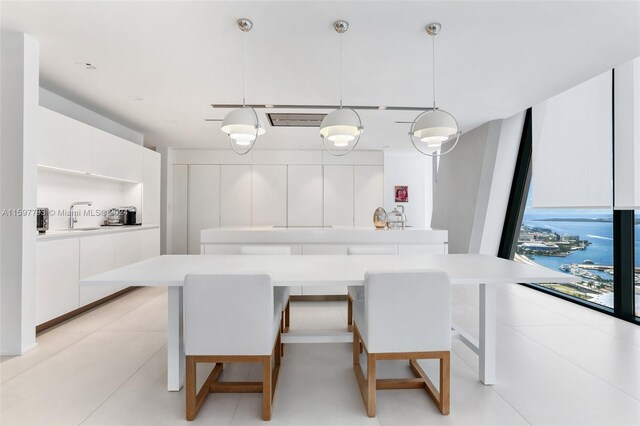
x=164 y=346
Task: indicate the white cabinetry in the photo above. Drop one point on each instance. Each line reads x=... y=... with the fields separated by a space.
x=368 y=184
x=150 y=188
x=62 y=262
x=235 y=195
x=97 y=255
x=269 y=195
x=57 y=275
x=115 y=157
x=338 y=195
x=204 y=202
x=304 y=195
x=180 y=208
x=63 y=143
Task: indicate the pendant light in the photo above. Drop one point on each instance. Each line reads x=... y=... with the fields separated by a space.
x=242 y=124
x=341 y=129
x=434 y=127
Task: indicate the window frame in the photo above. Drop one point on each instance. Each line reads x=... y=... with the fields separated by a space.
x=623 y=231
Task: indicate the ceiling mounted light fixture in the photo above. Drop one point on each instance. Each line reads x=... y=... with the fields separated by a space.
x=341 y=129
x=435 y=127
x=242 y=124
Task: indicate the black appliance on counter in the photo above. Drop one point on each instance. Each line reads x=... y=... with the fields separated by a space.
x=129 y=215
x=119 y=216
x=42 y=219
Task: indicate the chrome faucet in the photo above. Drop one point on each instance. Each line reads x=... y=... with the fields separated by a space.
x=72 y=218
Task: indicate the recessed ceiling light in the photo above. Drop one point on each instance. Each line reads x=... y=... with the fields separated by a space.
x=382 y=107
x=87 y=65
x=268 y=106
x=136 y=98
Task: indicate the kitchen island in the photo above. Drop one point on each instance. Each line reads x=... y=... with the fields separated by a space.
x=323 y=241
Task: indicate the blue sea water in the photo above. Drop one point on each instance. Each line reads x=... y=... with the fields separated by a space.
x=599 y=234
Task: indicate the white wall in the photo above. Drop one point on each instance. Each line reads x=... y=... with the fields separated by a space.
x=57 y=190
x=474 y=181
x=415 y=171
x=71 y=109
x=18 y=140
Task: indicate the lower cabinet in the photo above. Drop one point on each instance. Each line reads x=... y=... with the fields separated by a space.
x=60 y=264
x=57 y=274
x=97 y=255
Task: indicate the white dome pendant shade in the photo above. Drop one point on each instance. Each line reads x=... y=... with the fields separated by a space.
x=242 y=124
x=341 y=129
x=435 y=127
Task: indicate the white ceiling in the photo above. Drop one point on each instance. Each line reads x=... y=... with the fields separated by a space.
x=494 y=59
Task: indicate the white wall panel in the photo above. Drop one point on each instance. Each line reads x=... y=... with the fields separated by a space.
x=338 y=195
x=235 y=195
x=572 y=147
x=269 y=195
x=150 y=188
x=304 y=194
x=368 y=193
x=204 y=202
x=179 y=206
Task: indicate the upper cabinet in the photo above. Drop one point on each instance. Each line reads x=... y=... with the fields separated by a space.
x=115 y=157
x=68 y=144
x=63 y=142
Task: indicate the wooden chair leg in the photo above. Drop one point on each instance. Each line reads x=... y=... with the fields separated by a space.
x=266 y=388
x=445 y=384
x=349 y=313
x=287 y=316
x=371 y=385
x=356 y=347
x=190 y=388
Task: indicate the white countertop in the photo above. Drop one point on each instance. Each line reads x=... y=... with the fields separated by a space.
x=57 y=234
x=269 y=234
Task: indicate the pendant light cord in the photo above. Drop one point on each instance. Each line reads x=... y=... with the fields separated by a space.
x=433 y=61
x=340 y=72
x=244 y=68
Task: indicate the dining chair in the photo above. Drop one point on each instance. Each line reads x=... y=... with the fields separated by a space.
x=354 y=292
x=281 y=294
x=403 y=315
x=230 y=319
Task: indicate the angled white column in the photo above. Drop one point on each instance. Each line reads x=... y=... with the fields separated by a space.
x=18 y=181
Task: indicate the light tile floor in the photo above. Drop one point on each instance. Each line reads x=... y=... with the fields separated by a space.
x=558 y=364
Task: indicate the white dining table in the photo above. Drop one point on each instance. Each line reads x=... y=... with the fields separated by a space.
x=329 y=270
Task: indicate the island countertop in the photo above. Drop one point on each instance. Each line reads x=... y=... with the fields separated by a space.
x=326 y=235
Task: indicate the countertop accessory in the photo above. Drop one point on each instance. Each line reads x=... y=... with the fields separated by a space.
x=343 y=126
x=380 y=218
x=129 y=213
x=42 y=219
x=72 y=216
x=242 y=124
x=434 y=127
x=396 y=219
x=115 y=217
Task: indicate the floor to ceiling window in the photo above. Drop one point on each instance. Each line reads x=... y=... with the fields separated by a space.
x=575 y=194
